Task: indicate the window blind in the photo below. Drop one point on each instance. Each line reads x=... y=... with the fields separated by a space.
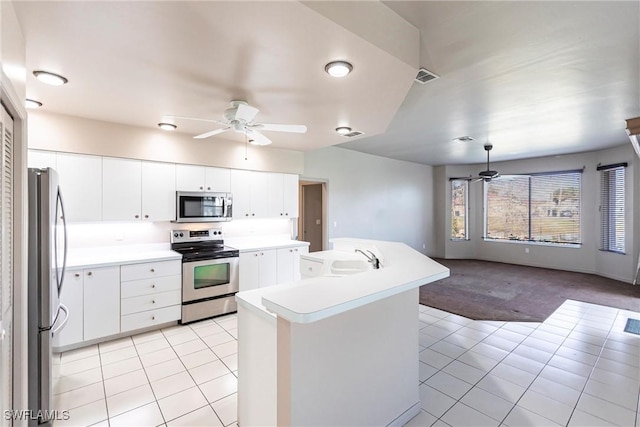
x=544 y=207
x=612 y=209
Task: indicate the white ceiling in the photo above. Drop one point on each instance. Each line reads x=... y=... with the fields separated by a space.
x=534 y=78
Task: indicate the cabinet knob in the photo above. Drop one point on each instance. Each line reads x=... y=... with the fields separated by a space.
x=153 y=301
x=246 y=214
x=208 y=188
x=137 y=216
x=153 y=317
x=153 y=285
x=255 y=254
x=253 y=214
x=287 y=214
x=77 y=274
x=201 y=188
x=296 y=250
x=89 y=273
x=261 y=253
x=290 y=250
x=280 y=213
x=146 y=216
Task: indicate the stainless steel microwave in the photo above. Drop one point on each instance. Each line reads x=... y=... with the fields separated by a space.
x=195 y=206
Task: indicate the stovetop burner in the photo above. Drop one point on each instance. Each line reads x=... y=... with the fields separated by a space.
x=195 y=245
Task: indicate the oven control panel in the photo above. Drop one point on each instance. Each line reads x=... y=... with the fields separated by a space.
x=178 y=236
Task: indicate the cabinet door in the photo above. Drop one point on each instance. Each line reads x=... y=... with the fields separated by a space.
x=290 y=195
x=275 y=195
x=41 y=159
x=258 y=194
x=285 y=265
x=72 y=297
x=121 y=189
x=300 y=250
x=158 y=191
x=249 y=270
x=268 y=268
x=217 y=179
x=81 y=186
x=241 y=191
x=101 y=302
x=189 y=178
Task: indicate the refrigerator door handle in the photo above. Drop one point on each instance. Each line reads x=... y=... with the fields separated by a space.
x=64 y=322
x=61 y=214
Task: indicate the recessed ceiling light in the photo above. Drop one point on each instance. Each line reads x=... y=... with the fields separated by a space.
x=463 y=139
x=343 y=130
x=50 y=78
x=338 y=68
x=167 y=126
x=32 y=103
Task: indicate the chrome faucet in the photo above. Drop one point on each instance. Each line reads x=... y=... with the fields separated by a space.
x=373 y=259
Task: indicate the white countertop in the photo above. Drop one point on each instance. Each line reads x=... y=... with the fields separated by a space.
x=317 y=298
x=118 y=255
x=245 y=244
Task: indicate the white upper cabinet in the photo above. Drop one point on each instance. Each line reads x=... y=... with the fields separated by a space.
x=189 y=178
x=121 y=189
x=282 y=195
x=81 y=186
x=41 y=159
x=202 y=178
x=158 y=191
x=249 y=190
x=217 y=180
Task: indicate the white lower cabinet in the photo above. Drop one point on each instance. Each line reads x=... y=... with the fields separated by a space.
x=268 y=267
x=101 y=302
x=151 y=294
x=288 y=268
x=72 y=297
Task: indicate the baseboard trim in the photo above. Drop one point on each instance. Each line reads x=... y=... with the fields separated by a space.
x=407 y=415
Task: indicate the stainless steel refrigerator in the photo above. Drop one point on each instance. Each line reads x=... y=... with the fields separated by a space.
x=47 y=261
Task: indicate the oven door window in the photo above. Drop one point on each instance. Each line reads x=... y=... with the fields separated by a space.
x=205 y=276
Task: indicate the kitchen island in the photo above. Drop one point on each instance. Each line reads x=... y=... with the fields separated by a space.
x=336 y=349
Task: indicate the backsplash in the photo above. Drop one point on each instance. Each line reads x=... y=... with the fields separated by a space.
x=98 y=234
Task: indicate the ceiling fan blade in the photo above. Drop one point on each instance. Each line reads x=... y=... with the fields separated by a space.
x=211 y=133
x=281 y=128
x=193 y=118
x=256 y=138
x=246 y=112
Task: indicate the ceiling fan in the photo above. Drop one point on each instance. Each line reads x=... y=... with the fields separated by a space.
x=488 y=174
x=239 y=118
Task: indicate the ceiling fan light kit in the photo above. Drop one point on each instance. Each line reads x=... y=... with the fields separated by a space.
x=338 y=68
x=50 y=78
x=487 y=175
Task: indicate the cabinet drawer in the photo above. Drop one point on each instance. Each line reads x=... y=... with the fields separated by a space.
x=150 y=269
x=150 y=302
x=134 y=288
x=150 y=318
x=310 y=268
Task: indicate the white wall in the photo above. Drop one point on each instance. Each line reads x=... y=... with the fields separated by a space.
x=375 y=197
x=587 y=258
x=59 y=132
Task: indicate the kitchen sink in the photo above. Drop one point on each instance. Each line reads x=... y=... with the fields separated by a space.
x=349 y=266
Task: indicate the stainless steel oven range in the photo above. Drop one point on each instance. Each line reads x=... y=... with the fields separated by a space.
x=209 y=273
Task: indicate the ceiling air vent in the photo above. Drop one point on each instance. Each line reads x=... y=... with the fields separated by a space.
x=352 y=134
x=425 y=76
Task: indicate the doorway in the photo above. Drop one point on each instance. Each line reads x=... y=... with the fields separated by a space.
x=313 y=214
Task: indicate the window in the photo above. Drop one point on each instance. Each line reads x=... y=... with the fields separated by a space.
x=612 y=207
x=542 y=207
x=459 y=200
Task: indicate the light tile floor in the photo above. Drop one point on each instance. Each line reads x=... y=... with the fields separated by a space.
x=577 y=368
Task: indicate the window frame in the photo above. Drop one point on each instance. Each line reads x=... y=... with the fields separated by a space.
x=531 y=241
x=466 y=210
x=606 y=225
